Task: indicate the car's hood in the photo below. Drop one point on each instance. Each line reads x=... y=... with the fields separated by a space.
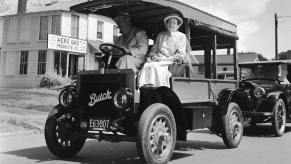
x=268 y=85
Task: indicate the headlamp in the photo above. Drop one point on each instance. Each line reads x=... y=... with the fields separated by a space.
x=67 y=97
x=122 y=99
x=259 y=92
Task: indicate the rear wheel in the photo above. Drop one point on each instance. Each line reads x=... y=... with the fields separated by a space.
x=232 y=126
x=156 y=134
x=61 y=140
x=279 y=118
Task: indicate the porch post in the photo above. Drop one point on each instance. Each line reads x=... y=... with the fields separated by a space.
x=214 y=46
x=68 y=60
x=235 y=60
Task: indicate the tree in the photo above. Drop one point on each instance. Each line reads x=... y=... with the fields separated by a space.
x=284 y=55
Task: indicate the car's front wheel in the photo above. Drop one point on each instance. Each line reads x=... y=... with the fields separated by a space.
x=279 y=118
x=232 y=131
x=156 y=136
x=61 y=140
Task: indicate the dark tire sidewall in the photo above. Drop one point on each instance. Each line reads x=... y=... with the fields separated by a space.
x=54 y=146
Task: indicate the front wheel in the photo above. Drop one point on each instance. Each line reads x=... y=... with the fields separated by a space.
x=61 y=140
x=156 y=137
x=279 y=118
x=232 y=131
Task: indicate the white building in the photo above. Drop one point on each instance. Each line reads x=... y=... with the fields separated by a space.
x=25 y=56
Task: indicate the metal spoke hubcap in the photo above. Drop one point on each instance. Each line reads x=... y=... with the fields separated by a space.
x=160 y=136
x=235 y=126
x=280 y=116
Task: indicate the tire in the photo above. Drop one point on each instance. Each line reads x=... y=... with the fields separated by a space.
x=279 y=118
x=156 y=137
x=60 y=140
x=232 y=131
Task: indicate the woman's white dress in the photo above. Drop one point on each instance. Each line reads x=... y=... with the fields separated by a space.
x=167 y=45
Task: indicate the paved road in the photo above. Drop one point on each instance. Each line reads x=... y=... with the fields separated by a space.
x=258 y=146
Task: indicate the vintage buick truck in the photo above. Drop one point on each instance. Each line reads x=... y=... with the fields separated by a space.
x=107 y=104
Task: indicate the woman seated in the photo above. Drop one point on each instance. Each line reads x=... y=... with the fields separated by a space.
x=169 y=48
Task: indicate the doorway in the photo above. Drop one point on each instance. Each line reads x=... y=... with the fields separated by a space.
x=76 y=64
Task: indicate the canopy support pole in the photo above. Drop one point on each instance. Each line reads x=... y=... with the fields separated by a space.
x=207 y=58
x=214 y=46
x=188 y=48
x=235 y=60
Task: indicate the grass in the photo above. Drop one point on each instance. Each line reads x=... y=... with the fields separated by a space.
x=41 y=99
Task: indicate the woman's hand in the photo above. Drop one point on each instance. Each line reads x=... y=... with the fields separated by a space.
x=156 y=58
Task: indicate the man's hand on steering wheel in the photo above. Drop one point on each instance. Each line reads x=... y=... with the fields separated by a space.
x=127 y=51
x=111 y=49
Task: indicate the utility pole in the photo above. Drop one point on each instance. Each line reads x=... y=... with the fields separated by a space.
x=276 y=36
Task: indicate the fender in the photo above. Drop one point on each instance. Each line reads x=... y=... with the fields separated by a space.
x=231 y=95
x=166 y=96
x=56 y=110
x=275 y=95
x=270 y=101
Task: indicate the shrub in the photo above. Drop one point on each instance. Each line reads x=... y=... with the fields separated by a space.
x=51 y=80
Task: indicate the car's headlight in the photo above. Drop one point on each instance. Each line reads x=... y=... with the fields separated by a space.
x=122 y=99
x=67 y=97
x=259 y=92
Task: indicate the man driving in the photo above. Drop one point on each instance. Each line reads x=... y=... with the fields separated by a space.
x=133 y=40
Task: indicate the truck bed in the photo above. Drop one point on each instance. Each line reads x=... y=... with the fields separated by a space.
x=191 y=90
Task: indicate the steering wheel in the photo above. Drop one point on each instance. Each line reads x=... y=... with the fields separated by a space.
x=110 y=49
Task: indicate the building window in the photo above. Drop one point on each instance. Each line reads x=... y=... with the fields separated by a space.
x=100 y=29
x=75 y=26
x=41 y=67
x=56 y=24
x=201 y=69
x=224 y=69
x=115 y=32
x=60 y=63
x=23 y=62
x=43 y=29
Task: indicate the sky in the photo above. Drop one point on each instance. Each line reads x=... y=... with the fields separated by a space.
x=255 y=22
x=254 y=19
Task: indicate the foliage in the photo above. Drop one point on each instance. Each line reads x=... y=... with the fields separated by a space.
x=51 y=80
x=285 y=55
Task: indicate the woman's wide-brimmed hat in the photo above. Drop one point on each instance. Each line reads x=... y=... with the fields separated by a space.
x=174 y=15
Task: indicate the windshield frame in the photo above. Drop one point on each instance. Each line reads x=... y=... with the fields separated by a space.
x=260 y=74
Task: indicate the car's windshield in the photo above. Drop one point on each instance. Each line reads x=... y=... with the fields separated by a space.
x=269 y=71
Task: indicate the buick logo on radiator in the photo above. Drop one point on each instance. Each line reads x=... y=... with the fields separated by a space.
x=94 y=98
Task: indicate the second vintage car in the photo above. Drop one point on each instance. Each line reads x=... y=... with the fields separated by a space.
x=268 y=87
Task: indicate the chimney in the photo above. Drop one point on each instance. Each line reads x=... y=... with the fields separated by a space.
x=21 y=6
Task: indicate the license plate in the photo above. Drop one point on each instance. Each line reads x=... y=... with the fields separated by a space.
x=98 y=124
